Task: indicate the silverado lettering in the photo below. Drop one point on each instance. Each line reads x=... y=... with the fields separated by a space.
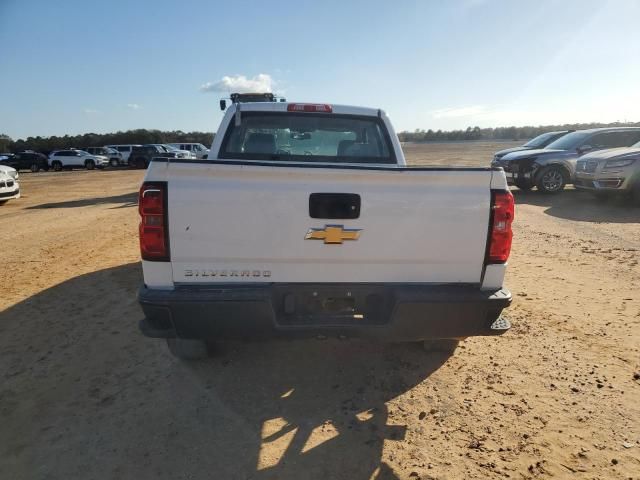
x=227 y=273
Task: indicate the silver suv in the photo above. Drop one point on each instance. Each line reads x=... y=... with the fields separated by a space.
x=610 y=172
x=115 y=158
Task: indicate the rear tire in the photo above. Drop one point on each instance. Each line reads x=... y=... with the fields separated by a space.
x=444 y=345
x=90 y=164
x=34 y=168
x=188 y=349
x=552 y=179
x=56 y=165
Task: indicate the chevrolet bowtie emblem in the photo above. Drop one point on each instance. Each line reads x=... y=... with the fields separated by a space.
x=332 y=234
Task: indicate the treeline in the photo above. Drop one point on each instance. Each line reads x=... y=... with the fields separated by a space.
x=140 y=136
x=499 y=133
x=143 y=136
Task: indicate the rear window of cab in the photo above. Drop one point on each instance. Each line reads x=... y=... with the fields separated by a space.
x=303 y=137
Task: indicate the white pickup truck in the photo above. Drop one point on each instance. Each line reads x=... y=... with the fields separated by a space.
x=306 y=221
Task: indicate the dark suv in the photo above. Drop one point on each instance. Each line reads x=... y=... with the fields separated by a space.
x=30 y=160
x=140 y=157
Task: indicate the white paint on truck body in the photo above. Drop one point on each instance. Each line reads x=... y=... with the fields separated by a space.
x=417 y=226
x=227 y=218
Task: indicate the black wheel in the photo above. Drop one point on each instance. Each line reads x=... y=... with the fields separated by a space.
x=2 y=202
x=188 y=349
x=90 y=164
x=552 y=179
x=445 y=345
x=56 y=165
x=34 y=167
x=522 y=185
x=114 y=162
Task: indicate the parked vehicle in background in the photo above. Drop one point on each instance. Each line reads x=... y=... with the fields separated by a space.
x=610 y=172
x=179 y=153
x=541 y=141
x=197 y=149
x=27 y=160
x=141 y=156
x=12 y=172
x=552 y=168
x=124 y=150
x=9 y=186
x=73 y=158
x=115 y=157
x=353 y=241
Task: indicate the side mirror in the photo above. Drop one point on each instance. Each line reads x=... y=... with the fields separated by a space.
x=223 y=105
x=584 y=149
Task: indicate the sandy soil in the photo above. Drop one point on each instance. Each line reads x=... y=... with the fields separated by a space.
x=84 y=395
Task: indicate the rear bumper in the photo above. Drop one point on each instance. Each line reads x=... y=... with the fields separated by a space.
x=391 y=312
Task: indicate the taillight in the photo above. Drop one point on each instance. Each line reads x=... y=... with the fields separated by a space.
x=500 y=234
x=154 y=234
x=309 y=108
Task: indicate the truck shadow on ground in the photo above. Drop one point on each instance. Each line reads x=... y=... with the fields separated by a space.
x=86 y=396
x=572 y=204
x=121 y=201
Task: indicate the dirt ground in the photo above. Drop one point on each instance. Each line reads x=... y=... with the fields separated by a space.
x=85 y=396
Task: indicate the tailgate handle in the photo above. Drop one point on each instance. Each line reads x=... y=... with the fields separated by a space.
x=334 y=206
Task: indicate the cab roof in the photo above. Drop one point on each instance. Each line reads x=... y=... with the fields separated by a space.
x=284 y=107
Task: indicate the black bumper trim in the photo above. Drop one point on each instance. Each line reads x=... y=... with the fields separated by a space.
x=393 y=312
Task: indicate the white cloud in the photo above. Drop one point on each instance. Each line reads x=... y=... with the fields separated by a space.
x=133 y=106
x=91 y=111
x=241 y=84
x=459 y=112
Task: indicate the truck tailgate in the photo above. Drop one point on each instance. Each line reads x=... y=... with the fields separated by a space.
x=235 y=222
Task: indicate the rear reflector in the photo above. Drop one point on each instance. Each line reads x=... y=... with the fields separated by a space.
x=500 y=234
x=309 y=107
x=154 y=240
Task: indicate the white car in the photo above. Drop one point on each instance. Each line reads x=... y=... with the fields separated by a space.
x=124 y=150
x=170 y=148
x=9 y=186
x=12 y=172
x=198 y=149
x=115 y=157
x=305 y=220
x=76 y=159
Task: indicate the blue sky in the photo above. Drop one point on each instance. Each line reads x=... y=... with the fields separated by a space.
x=76 y=66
